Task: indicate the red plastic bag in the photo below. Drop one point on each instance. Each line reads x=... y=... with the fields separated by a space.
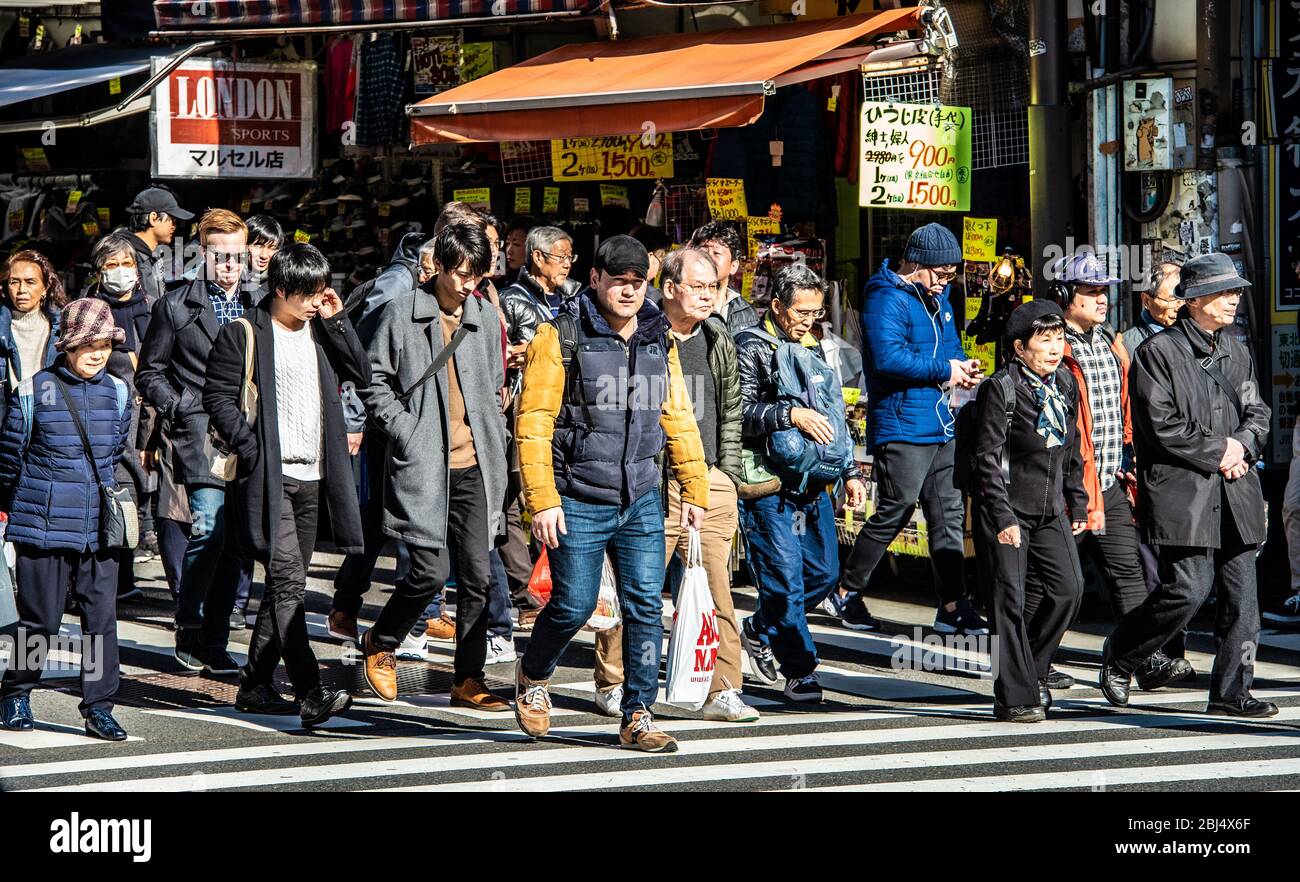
x=539 y=583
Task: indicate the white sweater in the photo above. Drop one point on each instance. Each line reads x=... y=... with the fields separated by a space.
x=298 y=404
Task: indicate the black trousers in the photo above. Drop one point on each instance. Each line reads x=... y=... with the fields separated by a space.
x=352 y=580
x=467 y=538
x=1186 y=577
x=515 y=557
x=904 y=475
x=281 y=628
x=1025 y=640
x=44 y=579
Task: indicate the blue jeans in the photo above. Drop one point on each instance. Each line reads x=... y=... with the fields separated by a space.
x=635 y=539
x=210 y=574
x=794 y=555
x=499 y=622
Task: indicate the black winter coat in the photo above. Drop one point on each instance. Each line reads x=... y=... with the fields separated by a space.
x=170 y=377
x=525 y=308
x=1182 y=420
x=258 y=488
x=1044 y=481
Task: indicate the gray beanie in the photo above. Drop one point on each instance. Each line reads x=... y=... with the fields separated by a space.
x=933 y=245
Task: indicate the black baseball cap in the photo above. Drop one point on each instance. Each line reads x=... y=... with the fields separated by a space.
x=618 y=255
x=159 y=200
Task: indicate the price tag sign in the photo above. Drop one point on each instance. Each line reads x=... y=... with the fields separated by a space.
x=581 y=205
x=914 y=156
x=550 y=200
x=523 y=200
x=616 y=158
x=35 y=159
x=612 y=194
x=384 y=209
x=90 y=228
x=245 y=207
x=726 y=198
x=301 y=236
x=476 y=60
x=759 y=226
x=74 y=199
x=979 y=238
x=478 y=197
x=115 y=86
x=104 y=216
x=985 y=352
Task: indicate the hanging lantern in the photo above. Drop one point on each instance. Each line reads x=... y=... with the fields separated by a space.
x=1002 y=275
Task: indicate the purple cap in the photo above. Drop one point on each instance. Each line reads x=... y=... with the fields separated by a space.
x=1082 y=269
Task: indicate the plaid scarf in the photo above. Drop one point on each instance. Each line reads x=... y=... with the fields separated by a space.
x=1051 y=407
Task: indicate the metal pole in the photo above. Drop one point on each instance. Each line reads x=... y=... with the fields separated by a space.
x=1213 y=77
x=1050 y=172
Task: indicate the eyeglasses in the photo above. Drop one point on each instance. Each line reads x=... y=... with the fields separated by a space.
x=805 y=313
x=943 y=275
x=560 y=258
x=698 y=288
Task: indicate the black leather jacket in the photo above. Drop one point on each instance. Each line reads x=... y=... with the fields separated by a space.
x=525 y=308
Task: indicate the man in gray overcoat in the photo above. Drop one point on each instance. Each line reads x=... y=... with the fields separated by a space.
x=445 y=470
x=1200 y=426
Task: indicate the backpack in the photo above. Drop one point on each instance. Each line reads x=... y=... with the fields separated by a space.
x=967 y=426
x=806 y=380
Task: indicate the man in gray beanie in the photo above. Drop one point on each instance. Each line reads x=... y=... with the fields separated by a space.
x=913 y=359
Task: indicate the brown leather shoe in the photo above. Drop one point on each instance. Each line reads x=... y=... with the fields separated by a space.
x=342 y=626
x=532 y=703
x=643 y=734
x=380 y=668
x=442 y=628
x=474 y=694
x=527 y=618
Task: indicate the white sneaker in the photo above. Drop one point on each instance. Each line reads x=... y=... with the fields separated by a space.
x=610 y=702
x=500 y=650
x=728 y=707
x=413 y=648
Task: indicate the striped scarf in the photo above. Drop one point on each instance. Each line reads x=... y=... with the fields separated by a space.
x=1051 y=407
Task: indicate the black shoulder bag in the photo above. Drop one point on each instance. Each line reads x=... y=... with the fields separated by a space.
x=442 y=358
x=119 y=525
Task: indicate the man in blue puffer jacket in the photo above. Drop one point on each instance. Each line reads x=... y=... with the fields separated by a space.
x=913 y=358
x=51 y=492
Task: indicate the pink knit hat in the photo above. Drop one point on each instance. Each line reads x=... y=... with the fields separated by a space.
x=85 y=321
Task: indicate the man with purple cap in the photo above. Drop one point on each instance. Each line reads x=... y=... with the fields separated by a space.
x=1096 y=357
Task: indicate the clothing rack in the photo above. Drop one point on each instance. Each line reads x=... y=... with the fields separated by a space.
x=12 y=180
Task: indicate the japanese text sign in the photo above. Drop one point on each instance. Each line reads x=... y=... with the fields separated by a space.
x=915 y=156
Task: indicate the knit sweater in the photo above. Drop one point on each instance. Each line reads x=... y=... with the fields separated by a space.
x=297 y=403
x=32 y=334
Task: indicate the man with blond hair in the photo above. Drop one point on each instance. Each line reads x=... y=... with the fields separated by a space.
x=173 y=369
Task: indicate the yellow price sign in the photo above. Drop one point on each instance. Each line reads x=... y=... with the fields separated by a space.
x=115 y=86
x=104 y=216
x=246 y=206
x=611 y=194
x=615 y=158
x=759 y=226
x=301 y=236
x=726 y=198
x=523 y=200
x=478 y=197
x=550 y=200
x=979 y=238
x=74 y=199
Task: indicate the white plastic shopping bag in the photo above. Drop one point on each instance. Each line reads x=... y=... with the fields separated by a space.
x=608 y=613
x=693 y=647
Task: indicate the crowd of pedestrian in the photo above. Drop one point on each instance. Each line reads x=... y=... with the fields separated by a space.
x=474 y=393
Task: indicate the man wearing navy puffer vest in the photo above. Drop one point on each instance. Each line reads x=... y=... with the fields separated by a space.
x=913 y=359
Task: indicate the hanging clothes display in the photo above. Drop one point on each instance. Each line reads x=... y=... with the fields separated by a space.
x=381 y=92
x=340 y=83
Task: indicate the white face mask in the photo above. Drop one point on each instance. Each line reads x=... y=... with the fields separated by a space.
x=119 y=280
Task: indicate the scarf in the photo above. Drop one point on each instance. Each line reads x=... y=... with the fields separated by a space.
x=1051 y=407
x=131 y=315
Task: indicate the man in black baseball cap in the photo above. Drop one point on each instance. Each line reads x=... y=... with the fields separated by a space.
x=152 y=219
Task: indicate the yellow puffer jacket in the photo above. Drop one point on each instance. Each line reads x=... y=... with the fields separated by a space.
x=539 y=406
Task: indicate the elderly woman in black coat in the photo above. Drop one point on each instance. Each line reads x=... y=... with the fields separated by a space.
x=1028 y=503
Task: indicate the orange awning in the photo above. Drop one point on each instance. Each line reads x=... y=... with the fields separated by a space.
x=677 y=82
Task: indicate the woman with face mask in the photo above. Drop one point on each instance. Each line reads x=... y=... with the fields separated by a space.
x=119 y=285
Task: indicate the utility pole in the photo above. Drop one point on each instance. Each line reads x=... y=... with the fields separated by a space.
x=1050 y=172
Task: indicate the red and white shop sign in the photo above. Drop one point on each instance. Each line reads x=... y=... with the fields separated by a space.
x=218 y=119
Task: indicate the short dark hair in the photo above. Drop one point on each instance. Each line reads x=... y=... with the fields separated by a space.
x=523 y=222
x=652 y=238
x=490 y=220
x=459 y=243
x=793 y=278
x=720 y=231
x=298 y=268
x=264 y=229
x=675 y=263
x=1044 y=324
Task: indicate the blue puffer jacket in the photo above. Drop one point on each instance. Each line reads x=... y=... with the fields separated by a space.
x=9 y=346
x=45 y=481
x=907 y=339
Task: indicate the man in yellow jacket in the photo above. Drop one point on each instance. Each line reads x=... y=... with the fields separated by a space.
x=602 y=397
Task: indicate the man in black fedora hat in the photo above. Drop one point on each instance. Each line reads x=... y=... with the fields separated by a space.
x=1200 y=427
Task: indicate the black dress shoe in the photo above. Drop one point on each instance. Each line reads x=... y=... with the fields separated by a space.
x=263 y=699
x=1058 y=680
x=1028 y=713
x=100 y=724
x=16 y=714
x=1245 y=707
x=219 y=662
x=320 y=704
x=1157 y=671
x=1181 y=670
x=1114 y=683
x=1044 y=695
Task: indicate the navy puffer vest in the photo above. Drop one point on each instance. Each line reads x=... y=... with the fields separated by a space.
x=608 y=434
